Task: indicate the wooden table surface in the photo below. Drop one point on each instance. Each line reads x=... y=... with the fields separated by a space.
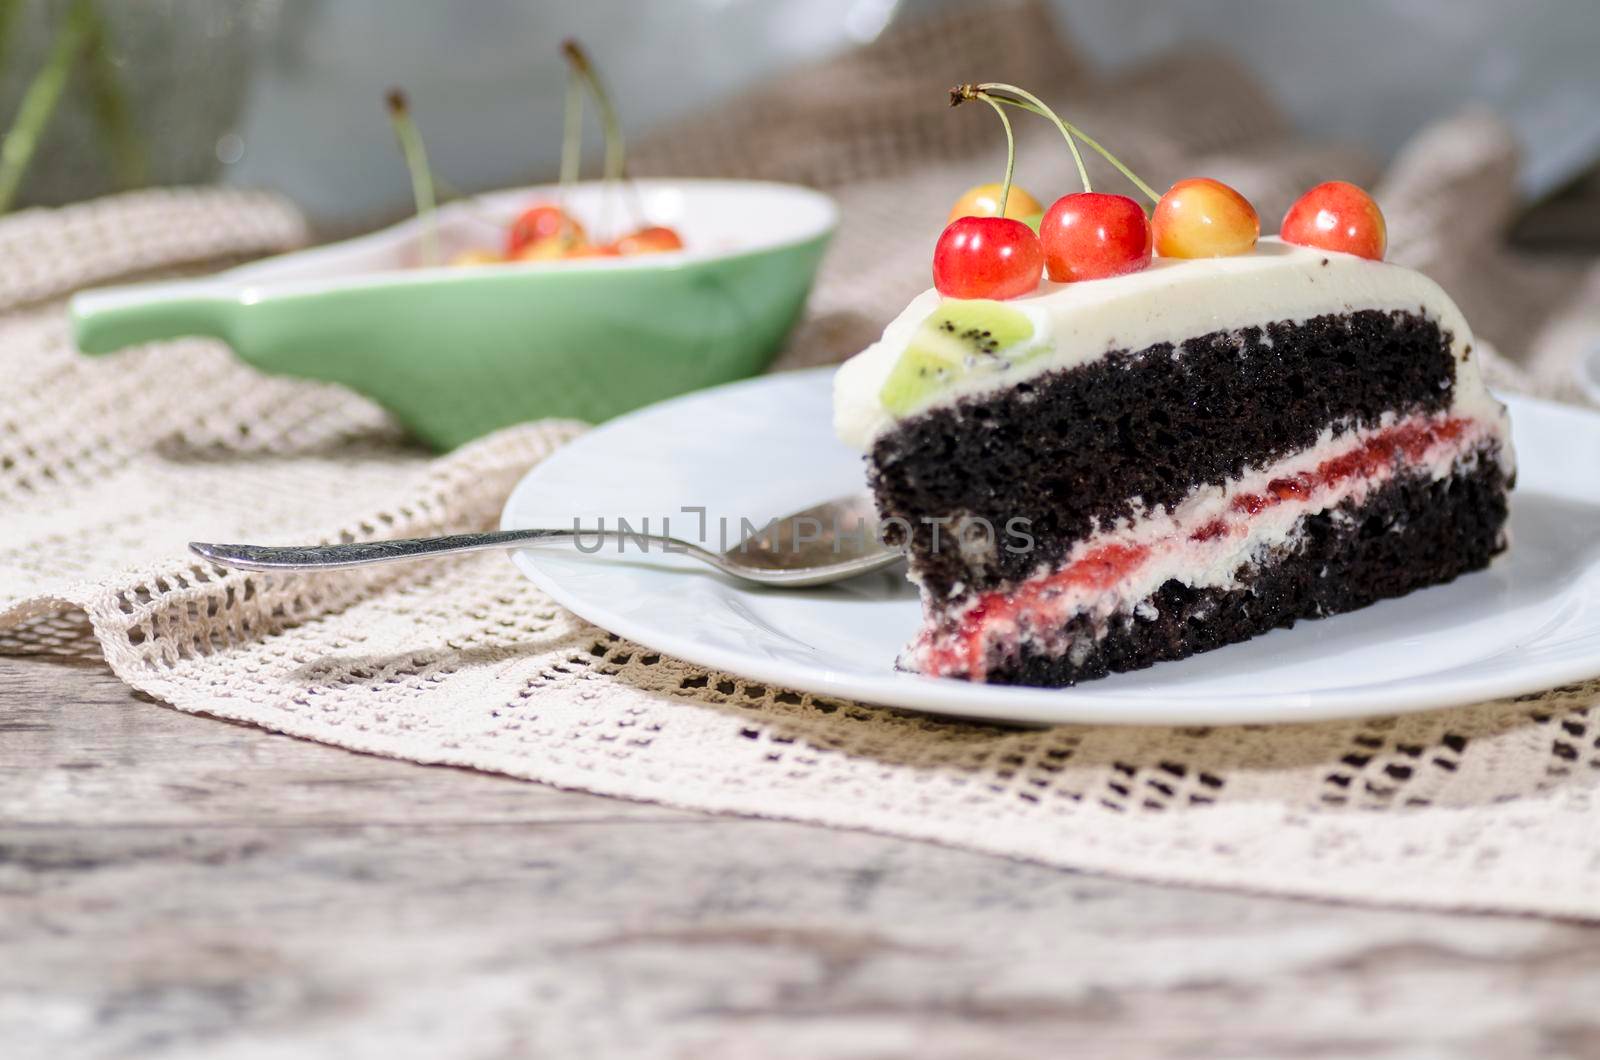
x=180 y=886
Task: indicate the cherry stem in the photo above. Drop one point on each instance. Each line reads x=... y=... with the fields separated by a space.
x=108 y=105
x=572 y=131
x=446 y=192
x=405 y=130
x=616 y=167
x=39 y=100
x=961 y=93
x=579 y=60
x=1030 y=102
x=1011 y=155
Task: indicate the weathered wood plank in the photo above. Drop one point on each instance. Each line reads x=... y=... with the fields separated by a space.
x=114 y=758
x=217 y=891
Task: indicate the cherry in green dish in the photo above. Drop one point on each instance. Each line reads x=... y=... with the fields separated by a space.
x=458 y=351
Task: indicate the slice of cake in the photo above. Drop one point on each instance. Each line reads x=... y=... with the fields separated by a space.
x=1098 y=476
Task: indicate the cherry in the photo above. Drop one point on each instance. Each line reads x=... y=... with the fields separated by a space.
x=592 y=250
x=1204 y=218
x=551 y=248
x=541 y=222
x=987 y=257
x=654 y=239
x=990 y=257
x=984 y=201
x=1337 y=216
x=477 y=256
x=1090 y=235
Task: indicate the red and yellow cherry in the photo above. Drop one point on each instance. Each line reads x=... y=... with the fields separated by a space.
x=550 y=248
x=1337 y=216
x=542 y=222
x=1204 y=218
x=655 y=239
x=1090 y=235
x=984 y=201
x=592 y=250
x=987 y=257
x=477 y=256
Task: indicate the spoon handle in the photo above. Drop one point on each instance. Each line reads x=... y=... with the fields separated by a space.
x=368 y=553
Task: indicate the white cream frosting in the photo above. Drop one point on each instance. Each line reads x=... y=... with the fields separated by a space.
x=1166 y=302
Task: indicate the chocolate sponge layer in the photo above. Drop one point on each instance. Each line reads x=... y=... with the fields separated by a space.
x=1071 y=451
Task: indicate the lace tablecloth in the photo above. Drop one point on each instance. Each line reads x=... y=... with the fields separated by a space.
x=108 y=467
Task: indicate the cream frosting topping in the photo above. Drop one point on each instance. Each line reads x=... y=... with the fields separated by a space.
x=1170 y=300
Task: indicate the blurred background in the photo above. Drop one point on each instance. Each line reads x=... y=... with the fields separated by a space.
x=285 y=94
x=1476 y=123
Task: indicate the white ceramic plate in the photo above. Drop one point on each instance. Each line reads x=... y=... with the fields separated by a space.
x=766 y=447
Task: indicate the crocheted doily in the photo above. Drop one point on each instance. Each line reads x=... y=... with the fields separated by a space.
x=107 y=467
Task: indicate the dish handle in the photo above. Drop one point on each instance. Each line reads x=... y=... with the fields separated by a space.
x=109 y=318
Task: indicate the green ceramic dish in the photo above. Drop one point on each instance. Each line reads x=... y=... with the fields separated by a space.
x=456 y=352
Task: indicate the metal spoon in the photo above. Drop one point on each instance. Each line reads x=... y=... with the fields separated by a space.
x=815 y=546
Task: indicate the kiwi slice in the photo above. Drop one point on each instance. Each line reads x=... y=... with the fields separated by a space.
x=958 y=336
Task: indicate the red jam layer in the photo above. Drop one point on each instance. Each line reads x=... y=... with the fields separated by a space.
x=961 y=651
